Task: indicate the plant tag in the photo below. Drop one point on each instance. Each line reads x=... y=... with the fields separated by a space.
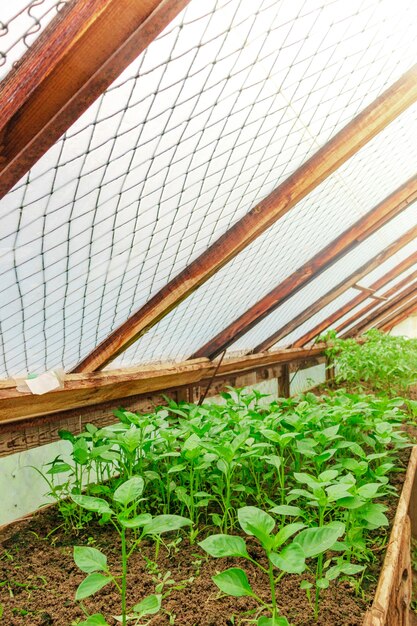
x=49 y=381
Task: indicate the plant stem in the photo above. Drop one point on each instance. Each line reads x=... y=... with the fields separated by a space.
x=124 y=574
x=272 y=586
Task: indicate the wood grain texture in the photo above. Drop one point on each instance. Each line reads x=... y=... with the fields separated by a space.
x=352 y=304
x=82 y=390
x=391 y=206
x=337 y=151
x=79 y=54
x=393 y=594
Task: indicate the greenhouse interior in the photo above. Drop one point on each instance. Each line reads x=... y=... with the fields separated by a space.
x=208 y=313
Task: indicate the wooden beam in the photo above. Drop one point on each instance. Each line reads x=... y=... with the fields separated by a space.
x=338 y=290
x=349 y=306
x=82 y=390
x=398 y=318
x=328 y=159
x=360 y=230
x=392 y=319
x=372 y=305
x=79 y=54
x=383 y=311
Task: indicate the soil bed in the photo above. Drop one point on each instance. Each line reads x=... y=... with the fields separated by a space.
x=38 y=579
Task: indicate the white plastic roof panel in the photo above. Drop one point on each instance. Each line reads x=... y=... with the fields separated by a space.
x=293 y=240
x=21 y=23
x=222 y=107
x=321 y=285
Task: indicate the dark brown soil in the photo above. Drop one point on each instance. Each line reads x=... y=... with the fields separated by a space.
x=38 y=579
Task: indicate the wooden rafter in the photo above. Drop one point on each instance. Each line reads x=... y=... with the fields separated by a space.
x=80 y=53
x=372 y=305
x=337 y=151
x=360 y=230
x=398 y=318
x=330 y=321
x=397 y=314
x=337 y=291
x=88 y=389
x=378 y=315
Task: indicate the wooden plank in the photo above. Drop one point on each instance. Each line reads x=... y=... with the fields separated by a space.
x=79 y=54
x=326 y=160
x=382 y=311
x=87 y=389
x=352 y=304
x=18 y=436
x=337 y=291
x=397 y=316
x=393 y=594
x=391 y=206
x=397 y=319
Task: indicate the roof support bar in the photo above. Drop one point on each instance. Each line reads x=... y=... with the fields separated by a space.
x=398 y=318
x=352 y=304
x=386 y=296
x=332 y=155
x=370 y=223
x=382 y=311
x=334 y=293
x=398 y=312
x=80 y=53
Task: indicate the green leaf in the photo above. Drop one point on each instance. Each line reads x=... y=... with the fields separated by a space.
x=94 y=620
x=129 y=491
x=256 y=522
x=291 y=559
x=89 y=559
x=233 y=582
x=98 y=505
x=322 y=583
x=91 y=584
x=370 y=490
x=224 y=545
x=305 y=584
x=285 y=509
x=148 y=606
x=165 y=523
x=273 y=621
x=135 y=522
x=286 y=532
x=316 y=540
x=349 y=569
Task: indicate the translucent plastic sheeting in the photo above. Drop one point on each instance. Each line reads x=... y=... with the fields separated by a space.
x=335 y=205
x=223 y=106
x=327 y=280
x=21 y=23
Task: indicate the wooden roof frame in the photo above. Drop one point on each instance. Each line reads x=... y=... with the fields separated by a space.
x=403 y=312
x=352 y=304
x=398 y=318
x=338 y=290
x=325 y=258
x=75 y=59
x=381 y=312
x=324 y=162
x=79 y=54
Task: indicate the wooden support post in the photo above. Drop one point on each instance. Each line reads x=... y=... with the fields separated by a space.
x=284 y=390
x=327 y=159
x=349 y=306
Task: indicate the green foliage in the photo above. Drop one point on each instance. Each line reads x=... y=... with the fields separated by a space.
x=305 y=477
x=384 y=362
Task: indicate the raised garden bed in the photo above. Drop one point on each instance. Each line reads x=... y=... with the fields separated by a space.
x=39 y=577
